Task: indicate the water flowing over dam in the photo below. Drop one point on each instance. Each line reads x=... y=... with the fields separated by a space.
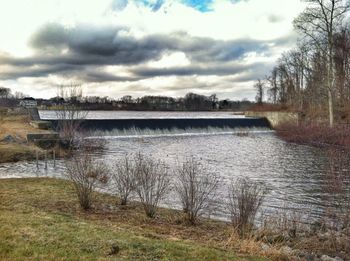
x=161 y=120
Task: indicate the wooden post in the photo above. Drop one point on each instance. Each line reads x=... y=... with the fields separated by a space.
x=37 y=159
x=45 y=159
x=54 y=158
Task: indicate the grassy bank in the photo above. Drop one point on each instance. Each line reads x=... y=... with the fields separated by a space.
x=40 y=219
x=17 y=149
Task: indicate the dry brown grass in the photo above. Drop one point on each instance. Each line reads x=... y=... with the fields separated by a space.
x=271 y=107
x=316 y=134
x=13 y=152
x=17 y=126
x=251 y=244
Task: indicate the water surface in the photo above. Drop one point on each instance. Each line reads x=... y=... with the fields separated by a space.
x=295 y=174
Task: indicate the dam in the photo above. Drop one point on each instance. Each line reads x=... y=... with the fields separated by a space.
x=296 y=175
x=121 y=120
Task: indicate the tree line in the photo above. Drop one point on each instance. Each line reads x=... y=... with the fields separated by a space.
x=72 y=94
x=314 y=77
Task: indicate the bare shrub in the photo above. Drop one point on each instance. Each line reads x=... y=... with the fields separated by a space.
x=124 y=179
x=70 y=115
x=70 y=119
x=195 y=187
x=245 y=199
x=315 y=133
x=284 y=224
x=152 y=182
x=86 y=174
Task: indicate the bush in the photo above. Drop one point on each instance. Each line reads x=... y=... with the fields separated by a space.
x=196 y=188
x=86 y=174
x=124 y=179
x=152 y=182
x=316 y=134
x=245 y=199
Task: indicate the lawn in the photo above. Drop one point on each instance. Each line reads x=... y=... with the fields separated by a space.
x=40 y=219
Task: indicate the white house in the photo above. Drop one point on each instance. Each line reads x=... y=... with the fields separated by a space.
x=28 y=102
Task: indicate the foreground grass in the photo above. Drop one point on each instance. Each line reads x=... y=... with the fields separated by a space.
x=40 y=219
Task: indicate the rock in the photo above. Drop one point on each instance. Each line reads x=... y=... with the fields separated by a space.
x=44 y=140
x=286 y=250
x=328 y=258
x=264 y=247
x=9 y=139
x=306 y=256
x=309 y=257
x=42 y=125
x=32 y=137
x=114 y=250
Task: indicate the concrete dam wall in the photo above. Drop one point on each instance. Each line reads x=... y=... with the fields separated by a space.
x=180 y=123
x=276 y=118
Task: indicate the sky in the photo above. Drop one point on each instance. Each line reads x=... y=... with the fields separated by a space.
x=143 y=47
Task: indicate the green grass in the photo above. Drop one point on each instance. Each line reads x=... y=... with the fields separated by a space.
x=40 y=220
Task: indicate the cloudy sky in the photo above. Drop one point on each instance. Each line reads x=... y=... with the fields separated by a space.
x=139 y=47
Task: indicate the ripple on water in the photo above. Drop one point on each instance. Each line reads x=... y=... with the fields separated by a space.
x=293 y=173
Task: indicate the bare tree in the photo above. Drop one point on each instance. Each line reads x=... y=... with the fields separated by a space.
x=195 y=187
x=245 y=199
x=319 y=22
x=70 y=115
x=86 y=174
x=259 y=86
x=124 y=179
x=5 y=92
x=152 y=182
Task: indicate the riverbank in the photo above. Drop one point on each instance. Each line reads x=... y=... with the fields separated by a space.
x=315 y=134
x=13 y=139
x=40 y=219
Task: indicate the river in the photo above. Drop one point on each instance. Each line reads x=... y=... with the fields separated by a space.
x=296 y=175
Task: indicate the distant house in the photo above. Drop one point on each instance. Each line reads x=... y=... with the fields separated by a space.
x=28 y=102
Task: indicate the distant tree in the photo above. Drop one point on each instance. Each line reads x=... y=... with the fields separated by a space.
x=127 y=99
x=5 y=92
x=193 y=101
x=259 y=86
x=20 y=95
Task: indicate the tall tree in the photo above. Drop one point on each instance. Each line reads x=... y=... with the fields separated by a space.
x=259 y=86
x=319 y=22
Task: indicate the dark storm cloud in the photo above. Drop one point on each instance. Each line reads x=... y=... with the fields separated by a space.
x=105 y=77
x=80 y=50
x=213 y=69
x=38 y=71
x=114 y=42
